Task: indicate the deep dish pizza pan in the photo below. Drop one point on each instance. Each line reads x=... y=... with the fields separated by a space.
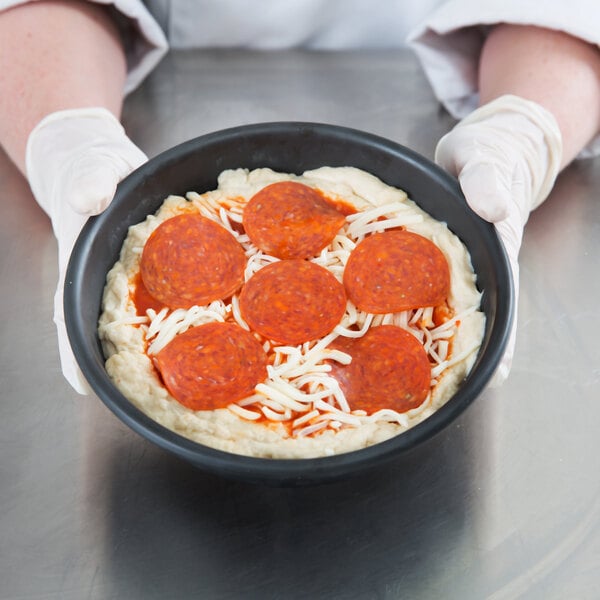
x=288 y=147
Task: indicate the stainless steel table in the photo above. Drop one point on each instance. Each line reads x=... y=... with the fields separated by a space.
x=505 y=503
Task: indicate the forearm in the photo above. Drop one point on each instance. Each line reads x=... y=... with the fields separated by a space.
x=53 y=56
x=559 y=72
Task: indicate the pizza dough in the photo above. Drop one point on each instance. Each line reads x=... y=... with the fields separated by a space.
x=261 y=311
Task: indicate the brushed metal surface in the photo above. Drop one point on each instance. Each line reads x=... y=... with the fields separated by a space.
x=503 y=504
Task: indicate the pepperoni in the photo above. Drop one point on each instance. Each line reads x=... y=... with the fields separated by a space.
x=389 y=369
x=292 y=301
x=209 y=366
x=291 y=220
x=396 y=270
x=190 y=260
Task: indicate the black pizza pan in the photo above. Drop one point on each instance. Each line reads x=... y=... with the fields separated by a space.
x=291 y=147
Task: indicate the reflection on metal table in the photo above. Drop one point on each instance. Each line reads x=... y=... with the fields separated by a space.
x=504 y=503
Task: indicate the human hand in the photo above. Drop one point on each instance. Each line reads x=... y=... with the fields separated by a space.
x=74 y=161
x=506 y=155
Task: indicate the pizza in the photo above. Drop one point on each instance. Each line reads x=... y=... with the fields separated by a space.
x=291 y=316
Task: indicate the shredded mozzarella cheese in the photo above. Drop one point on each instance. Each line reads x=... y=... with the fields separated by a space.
x=165 y=328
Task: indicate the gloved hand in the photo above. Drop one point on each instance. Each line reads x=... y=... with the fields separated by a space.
x=74 y=161
x=506 y=155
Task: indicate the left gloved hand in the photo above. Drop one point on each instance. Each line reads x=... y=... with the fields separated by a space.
x=75 y=159
x=506 y=155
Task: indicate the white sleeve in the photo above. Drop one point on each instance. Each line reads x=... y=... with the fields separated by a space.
x=448 y=43
x=144 y=41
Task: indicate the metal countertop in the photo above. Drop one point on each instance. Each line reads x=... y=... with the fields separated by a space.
x=505 y=503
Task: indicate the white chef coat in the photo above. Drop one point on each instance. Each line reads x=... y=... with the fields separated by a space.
x=447 y=36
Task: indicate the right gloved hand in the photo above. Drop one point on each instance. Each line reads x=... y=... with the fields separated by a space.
x=74 y=161
x=506 y=155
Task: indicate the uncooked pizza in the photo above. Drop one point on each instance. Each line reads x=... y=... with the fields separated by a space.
x=291 y=316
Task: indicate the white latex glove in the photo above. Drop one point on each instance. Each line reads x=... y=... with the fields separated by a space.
x=506 y=156
x=74 y=161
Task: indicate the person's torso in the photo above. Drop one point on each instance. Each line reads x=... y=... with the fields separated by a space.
x=270 y=24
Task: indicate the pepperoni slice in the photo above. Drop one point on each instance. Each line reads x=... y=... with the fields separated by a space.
x=291 y=220
x=209 y=366
x=389 y=369
x=396 y=270
x=190 y=260
x=292 y=301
